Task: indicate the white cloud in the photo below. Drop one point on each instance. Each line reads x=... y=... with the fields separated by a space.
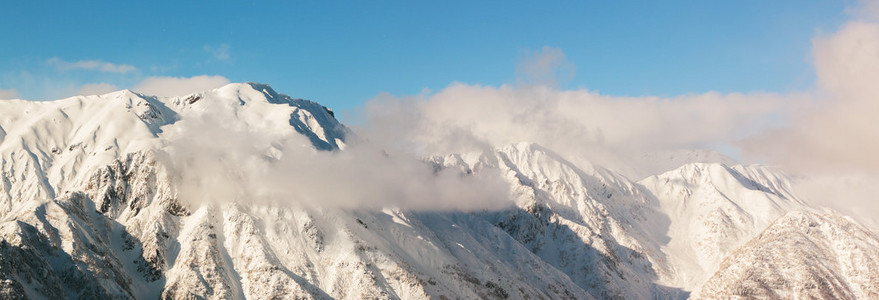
x=832 y=145
x=578 y=123
x=179 y=86
x=256 y=165
x=220 y=52
x=8 y=94
x=96 y=89
x=839 y=132
x=866 y=10
x=575 y=123
x=549 y=66
x=95 y=65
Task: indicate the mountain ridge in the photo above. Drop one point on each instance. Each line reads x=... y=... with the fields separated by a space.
x=91 y=193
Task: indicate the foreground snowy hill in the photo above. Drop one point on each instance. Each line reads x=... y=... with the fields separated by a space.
x=93 y=204
x=802 y=255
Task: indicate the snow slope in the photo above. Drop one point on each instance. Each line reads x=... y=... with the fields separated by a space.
x=802 y=255
x=90 y=207
x=585 y=222
x=715 y=209
x=126 y=222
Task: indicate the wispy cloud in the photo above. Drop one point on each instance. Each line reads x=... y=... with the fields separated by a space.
x=8 y=94
x=220 y=52
x=179 y=86
x=549 y=66
x=92 y=65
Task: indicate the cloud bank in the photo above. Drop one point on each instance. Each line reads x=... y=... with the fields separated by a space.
x=838 y=132
x=832 y=143
x=575 y=123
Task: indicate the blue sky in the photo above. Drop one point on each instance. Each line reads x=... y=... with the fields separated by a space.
x=345 y=53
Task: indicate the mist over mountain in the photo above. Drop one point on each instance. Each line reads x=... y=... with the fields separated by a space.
x=244 y=192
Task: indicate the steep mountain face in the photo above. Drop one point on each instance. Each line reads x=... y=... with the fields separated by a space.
x=802 y=255
x=716 y=209
x=587 y=223
x=91 y=206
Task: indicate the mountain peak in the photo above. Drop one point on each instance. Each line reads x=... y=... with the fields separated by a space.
x=263 y=87
x=125 y=93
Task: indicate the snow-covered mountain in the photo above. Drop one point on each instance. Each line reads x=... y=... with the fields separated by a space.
x=91 y=206
x=801 y=255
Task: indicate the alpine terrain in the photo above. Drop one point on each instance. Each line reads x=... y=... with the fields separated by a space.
x=99 y=199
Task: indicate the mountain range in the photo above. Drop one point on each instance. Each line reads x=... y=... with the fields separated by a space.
x=102 y=197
